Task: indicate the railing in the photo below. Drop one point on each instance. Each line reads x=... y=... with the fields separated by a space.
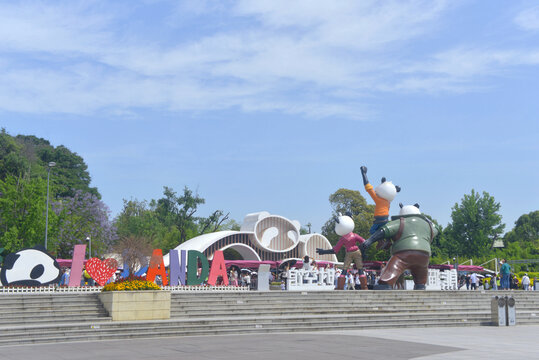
x=50 y=290
x=218 y=288
x=95 y=289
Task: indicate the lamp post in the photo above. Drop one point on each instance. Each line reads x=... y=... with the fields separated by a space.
x=89 y=239
x=51 y=165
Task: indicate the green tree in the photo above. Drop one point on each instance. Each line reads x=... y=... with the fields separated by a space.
x=346 y=200
x=170 y=220
x=526 y=230
x=22 y=213
x=11 y=160
x=475 y=224
x=29 y=156
x=70 y=173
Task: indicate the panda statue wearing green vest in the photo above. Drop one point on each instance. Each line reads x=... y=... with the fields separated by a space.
x=411 y=234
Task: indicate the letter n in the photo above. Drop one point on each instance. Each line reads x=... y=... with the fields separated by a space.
x=177 y=268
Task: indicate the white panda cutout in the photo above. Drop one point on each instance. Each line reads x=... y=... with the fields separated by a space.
x=344 y=225
x=30 y=267
x=409 y=209
x=386 y=190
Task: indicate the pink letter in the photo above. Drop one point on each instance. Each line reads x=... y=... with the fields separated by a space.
x=76 y=265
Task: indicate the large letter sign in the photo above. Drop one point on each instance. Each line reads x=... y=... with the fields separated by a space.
x=157 y=267
x=177 y=269
x=193 y=278
x=218 y=268
x=30 y=267
x=76 y=265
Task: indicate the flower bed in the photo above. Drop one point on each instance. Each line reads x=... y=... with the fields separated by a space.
x=135 y=299
x=132 y=283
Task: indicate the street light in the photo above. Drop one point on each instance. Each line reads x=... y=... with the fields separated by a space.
x=51 y=165
x=89 y=239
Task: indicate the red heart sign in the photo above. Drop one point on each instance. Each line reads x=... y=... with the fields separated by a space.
x=101 y=271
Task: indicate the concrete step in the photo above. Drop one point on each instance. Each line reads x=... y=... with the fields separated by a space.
x=52 y=318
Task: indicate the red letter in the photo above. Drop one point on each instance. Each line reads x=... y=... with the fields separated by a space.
x=218 y=268
x=157 y=267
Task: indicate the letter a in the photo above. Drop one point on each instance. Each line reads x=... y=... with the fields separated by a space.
x=218 y=268
x=157 y=267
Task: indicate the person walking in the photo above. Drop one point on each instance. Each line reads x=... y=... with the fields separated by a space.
x=473 y=281
x=350 y=281
x=505 y=271
x=525 y=282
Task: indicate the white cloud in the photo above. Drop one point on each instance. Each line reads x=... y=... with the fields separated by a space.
x=314 y=59
x=528 y=19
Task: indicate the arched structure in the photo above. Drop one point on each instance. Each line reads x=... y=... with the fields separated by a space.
x=262 y=237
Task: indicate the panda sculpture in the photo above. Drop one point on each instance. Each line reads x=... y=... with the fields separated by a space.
x=344 y=226
x=411 y=234
x=382 y=196
x=30 y=267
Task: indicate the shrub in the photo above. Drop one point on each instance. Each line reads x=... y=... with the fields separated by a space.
x=131 y=283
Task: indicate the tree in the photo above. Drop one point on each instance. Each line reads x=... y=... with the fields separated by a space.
x=29 y=156
x=70 y=173
x=475 y=224
x=11 y=160
x=526 y=230
x=22 y=213
x=346 y=200
x=180 y=211
x=79 y=217
x=170 y=220
x=134 y=251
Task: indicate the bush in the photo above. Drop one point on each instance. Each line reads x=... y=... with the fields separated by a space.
x=131 y=283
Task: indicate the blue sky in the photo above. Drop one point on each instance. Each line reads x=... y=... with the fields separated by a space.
x=274 y=105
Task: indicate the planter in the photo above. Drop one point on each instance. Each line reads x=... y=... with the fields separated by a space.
x=136 y=305
x=275 y=287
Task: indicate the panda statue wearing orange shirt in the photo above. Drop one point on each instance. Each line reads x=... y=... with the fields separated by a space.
x=382 y=195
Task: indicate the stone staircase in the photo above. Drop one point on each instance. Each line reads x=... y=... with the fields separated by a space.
x=58 y=318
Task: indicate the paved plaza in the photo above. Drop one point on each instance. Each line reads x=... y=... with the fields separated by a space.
x=518 y=342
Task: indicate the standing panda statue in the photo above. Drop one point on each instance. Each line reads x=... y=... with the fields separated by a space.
x=411 y=233
x=344 y=226
x=382 y=196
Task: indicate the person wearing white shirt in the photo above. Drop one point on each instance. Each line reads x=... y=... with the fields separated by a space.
x=525 y=282
x=473 y=281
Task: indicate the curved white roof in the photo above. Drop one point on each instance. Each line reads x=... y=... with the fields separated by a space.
x=201 y=242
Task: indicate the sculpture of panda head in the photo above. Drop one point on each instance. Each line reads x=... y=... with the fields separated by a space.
x=386 y=190
x=409 y=209
x=30 y=267
x=344 y=224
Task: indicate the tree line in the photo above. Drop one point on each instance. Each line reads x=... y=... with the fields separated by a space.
x=77 y=212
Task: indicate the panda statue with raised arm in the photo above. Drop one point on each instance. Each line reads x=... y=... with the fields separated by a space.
x=411 y=234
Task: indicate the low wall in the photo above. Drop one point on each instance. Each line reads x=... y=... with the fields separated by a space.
x=136 y=305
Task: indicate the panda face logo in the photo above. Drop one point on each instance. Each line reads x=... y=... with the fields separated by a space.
x=386 y=190
x=30 y=267
x=344 y=225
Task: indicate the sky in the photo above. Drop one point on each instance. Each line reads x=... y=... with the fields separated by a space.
x=274 y=105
